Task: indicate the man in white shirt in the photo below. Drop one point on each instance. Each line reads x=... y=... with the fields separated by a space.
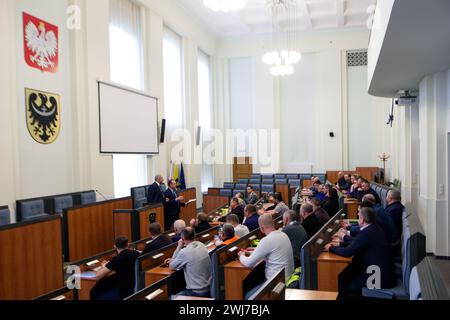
x=275 y=249
x=239 y=229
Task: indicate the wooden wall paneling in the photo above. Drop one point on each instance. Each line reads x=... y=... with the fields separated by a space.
x=123 y=225
x=242 y=168
x=211 y=203
x=285 y=192
x=144 y=220
x=189 y=212
x=90 y=229
x=31 y=261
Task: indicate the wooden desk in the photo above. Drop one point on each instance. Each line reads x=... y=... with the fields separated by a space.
x=235 y=274
x=156 y=274
x=310 y=295
x=352 y=206
x=328 y=268
x=86 y=287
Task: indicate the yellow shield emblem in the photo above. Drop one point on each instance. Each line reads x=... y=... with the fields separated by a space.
x=43 y=115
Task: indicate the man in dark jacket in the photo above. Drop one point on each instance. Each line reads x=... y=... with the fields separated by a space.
x=369 y=249
x=237 y=209
x=172 y=205
x=158 y=241
x=395 y=209
x=310 y=221
x=155 y=193
x=366 y=189
x=296 y=233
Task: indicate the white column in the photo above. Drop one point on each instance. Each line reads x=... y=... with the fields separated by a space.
x=193 y=170
x=433 y=161
x=9 y=170
x=154 y=83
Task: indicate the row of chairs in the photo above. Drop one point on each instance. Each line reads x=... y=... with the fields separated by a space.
x=229 y=191
x=31 y=209
x=382 y=192
x=301 y=176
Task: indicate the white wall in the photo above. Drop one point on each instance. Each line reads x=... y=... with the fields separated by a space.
x=73 y=163
x=322 y=96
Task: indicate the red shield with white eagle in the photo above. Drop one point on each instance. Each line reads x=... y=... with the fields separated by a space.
x=40 y=44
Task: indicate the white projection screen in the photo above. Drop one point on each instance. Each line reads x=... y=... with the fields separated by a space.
x=128 y=121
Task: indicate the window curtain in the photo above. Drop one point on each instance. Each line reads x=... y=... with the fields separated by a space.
x=205 y=114
x=127 y=68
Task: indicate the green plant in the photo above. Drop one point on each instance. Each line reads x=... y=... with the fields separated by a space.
x=397 y=184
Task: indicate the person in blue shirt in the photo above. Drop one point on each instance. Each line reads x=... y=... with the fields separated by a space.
x=251 y=217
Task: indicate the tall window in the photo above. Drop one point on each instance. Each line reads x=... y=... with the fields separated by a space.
x=173 y=80
x=127 y=65
x=205 y=104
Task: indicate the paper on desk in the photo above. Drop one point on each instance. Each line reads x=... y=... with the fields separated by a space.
x=88 y=275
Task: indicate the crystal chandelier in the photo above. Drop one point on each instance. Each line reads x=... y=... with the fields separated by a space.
x=284 y=55
x=224 y=5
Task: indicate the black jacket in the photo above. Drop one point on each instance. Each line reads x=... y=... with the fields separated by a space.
x=155 y=194
x=160 y=242
x=370 y=248
x=312 y=225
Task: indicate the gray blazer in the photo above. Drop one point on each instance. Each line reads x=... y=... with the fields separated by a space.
x=298 y=236
x=252 y=199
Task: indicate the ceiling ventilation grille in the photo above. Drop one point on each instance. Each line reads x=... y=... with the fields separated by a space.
x=356 y=58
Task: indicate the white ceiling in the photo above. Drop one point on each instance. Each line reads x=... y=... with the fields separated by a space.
x=255 y=17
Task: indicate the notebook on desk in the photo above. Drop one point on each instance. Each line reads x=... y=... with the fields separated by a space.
x=88 y=275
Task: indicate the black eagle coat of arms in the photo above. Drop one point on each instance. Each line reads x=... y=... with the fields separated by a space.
x=43 y=115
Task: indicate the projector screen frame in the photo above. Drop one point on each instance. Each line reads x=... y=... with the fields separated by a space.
x=125 y=88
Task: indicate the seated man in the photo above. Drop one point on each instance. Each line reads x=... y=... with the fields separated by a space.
x=251 y=217
x=236 y=209
x=121 y=284
x=239 y=229
x=384 y=220
x=158 y=241
x=320 y=212
x=369 y=248
x=241 y=199
x=201 y=223
x=178 y=226
x=395 y=209
x=275 y=249
x=280 y=206
x=310 y=222
x=366 y=189
x=252 y=196
x=296 y=233
x=193 y=258
x=226 y=235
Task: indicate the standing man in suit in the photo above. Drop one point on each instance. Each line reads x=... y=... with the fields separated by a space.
x=369 y=248
x=155 y=193
x=172 y=205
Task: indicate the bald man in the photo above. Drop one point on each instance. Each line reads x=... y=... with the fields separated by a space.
x=275 y=249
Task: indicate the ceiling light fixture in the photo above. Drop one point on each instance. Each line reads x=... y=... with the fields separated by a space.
x=224 y=5
x=284 y=55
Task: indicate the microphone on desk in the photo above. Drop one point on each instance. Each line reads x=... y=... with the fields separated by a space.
x=101 y=194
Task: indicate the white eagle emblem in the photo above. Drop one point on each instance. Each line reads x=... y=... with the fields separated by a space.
x=42 y=44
